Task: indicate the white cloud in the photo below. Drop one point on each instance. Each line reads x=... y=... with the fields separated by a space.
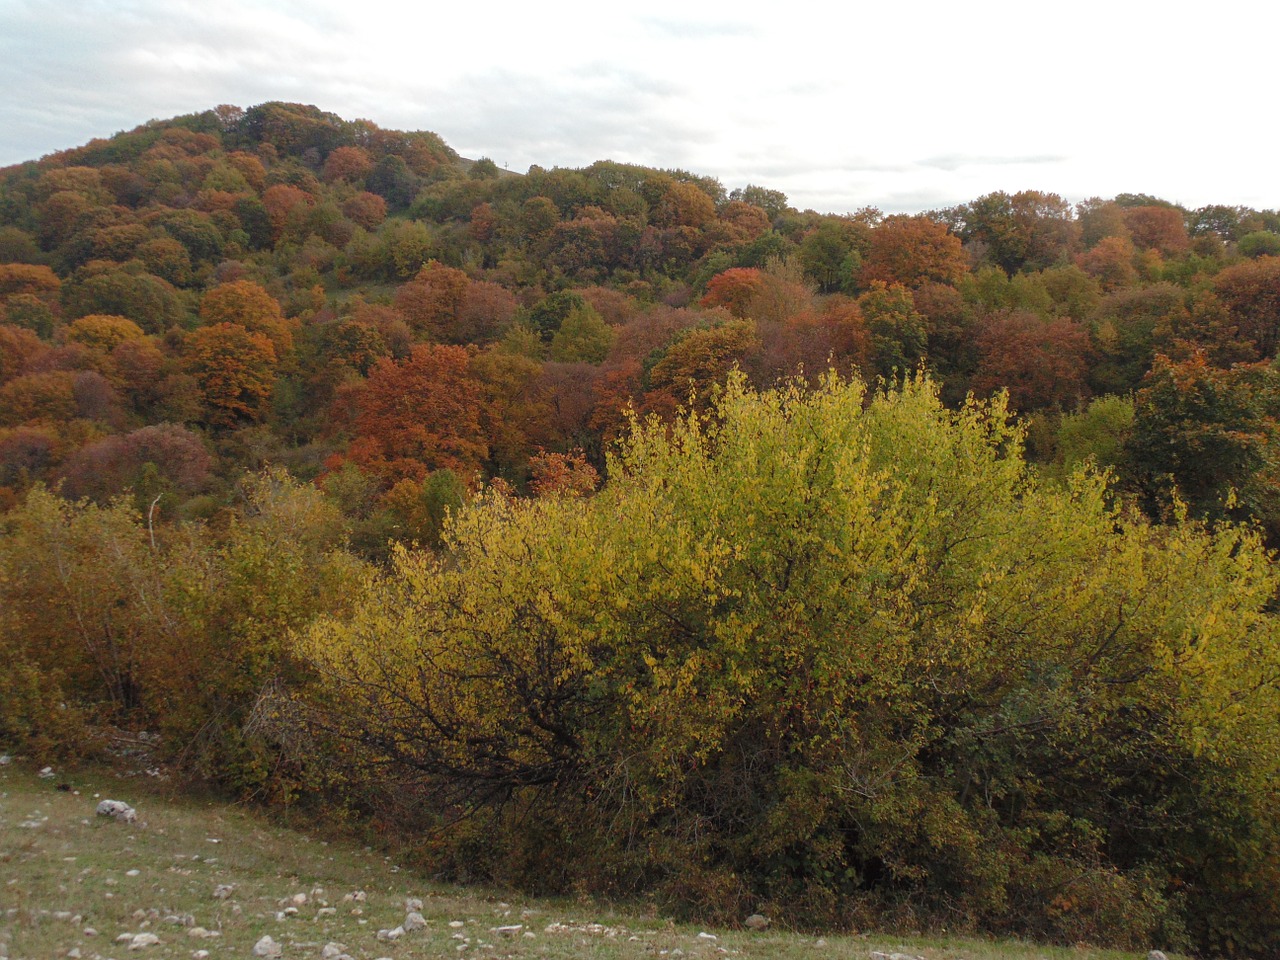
x=904 y=106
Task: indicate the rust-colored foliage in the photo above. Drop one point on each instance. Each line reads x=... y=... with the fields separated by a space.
x=1157 y=228
x=912 y=251
x=431 y=301
x=698 y=362
x=562 y=474
x=247 y=304
x=347 y=163
x=1251 y=293
x=365 y=209
x=29 y=278
x=1110 y=262
x=18 y=348
x=419 y=415
x=1040 y=362
x=281 y=200
x=683 y=204
x=235 y=371
x=735 y=290
x=38 y=398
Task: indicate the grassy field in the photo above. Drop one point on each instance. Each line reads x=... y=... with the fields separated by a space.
x=211 y=880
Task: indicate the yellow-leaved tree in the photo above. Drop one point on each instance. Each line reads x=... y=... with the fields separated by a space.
x=832 y=651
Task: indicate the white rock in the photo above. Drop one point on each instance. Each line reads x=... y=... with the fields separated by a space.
x=413 y=921
x=298 y=899
x=413 y=905
x=46 y=773
x=89 y=932
x=266 y=947
x=1156 y=955
x=143 y=940
x=117 y=810
x=707 y=936
x=333 y=949
x=456 y=924
x=74 y=953
x=200 y=955
x=132 y=873
x=395 y=933
x=223 y=890
x=509 y=931
x=326 y=912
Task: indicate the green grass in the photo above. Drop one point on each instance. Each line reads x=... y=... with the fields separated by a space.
x=65 y=871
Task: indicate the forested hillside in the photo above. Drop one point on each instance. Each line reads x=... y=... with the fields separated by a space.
x=873 y=568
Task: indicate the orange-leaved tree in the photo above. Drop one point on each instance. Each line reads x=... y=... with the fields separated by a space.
x=235 y=371
x=418 y=415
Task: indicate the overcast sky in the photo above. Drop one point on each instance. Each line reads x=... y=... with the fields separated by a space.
x=902 y=105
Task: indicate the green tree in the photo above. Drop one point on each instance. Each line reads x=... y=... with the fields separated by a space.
x=583 y=337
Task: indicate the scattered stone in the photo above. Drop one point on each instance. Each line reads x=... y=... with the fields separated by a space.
x=413 y=905
x=267 y=947
x=89 y=932
x=508 y=931
x=132 y=873
x=820 y=942
x=62 y=914
x=200 y=933
x=298 y=899
x=456 y=924
x=707 y=936
x=326 y=912
x=73 y=953
x=200 y=955
x=1156 y=955
x=143 y=940
x=414 y=921
x=876 y=955
x=5 y=759
x=46 y=773
x=181 y=919
x=757 y=921
x=395 y=933
x=333 y=950
x=117 y=810
x=223 y=890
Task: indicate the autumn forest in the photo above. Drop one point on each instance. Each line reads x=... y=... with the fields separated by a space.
x=612 y=531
